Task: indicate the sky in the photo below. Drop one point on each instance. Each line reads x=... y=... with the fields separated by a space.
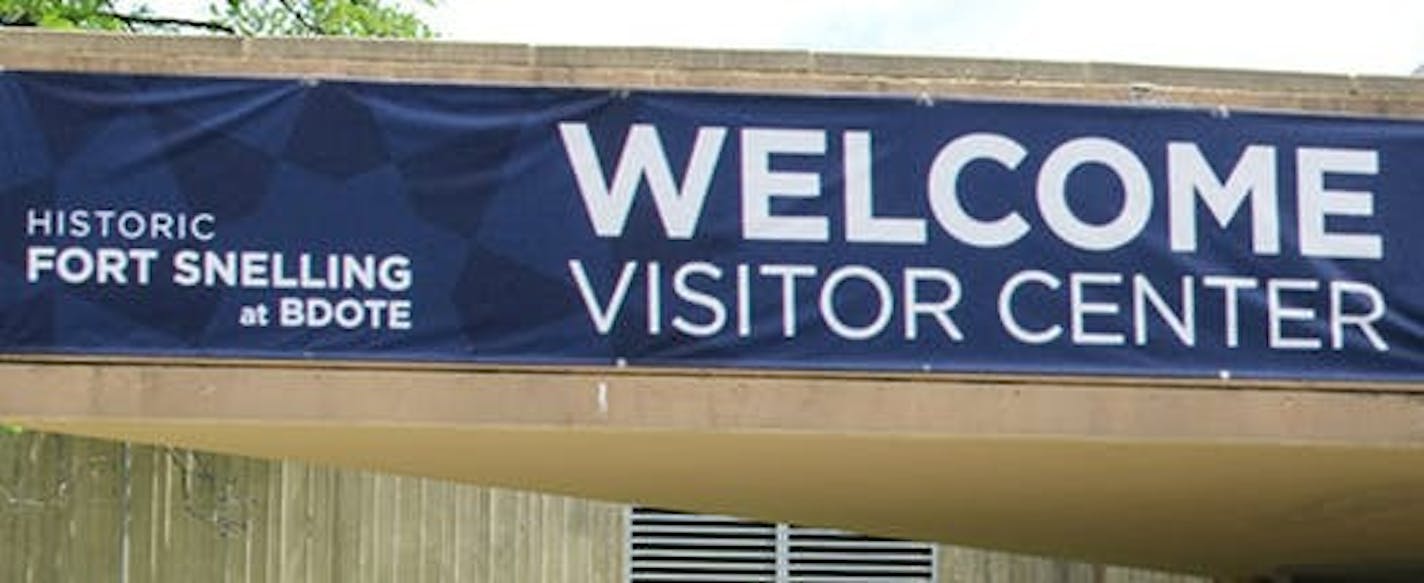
x=1356 y=37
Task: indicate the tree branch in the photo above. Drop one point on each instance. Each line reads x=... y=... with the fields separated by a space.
x=108 y=6
x=131 y=19
x=301 y=18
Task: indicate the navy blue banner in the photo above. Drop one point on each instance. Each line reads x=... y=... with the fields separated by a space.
x=289 y=219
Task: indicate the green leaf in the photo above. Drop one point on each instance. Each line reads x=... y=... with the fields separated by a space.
x=377 y=18
x=55 y=20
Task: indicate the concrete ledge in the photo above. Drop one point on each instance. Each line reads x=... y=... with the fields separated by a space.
x=797 y=72
x=640 y=400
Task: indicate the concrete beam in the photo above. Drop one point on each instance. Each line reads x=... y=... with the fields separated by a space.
x=1210 y=476
x=798 y=72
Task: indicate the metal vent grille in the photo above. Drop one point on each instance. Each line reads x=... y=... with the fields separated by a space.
x=666 y=547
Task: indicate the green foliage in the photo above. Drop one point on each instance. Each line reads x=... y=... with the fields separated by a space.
x=319 y=17
x=93 y=14
x=370 y=18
